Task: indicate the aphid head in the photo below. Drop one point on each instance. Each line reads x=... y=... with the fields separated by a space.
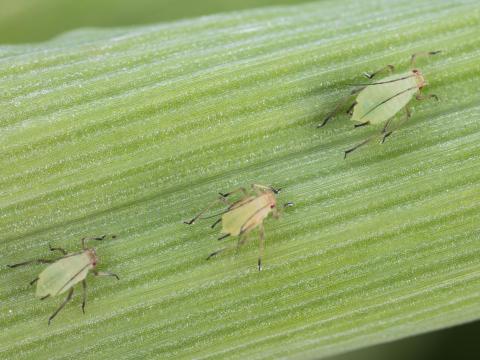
x=421 y=82
x=272 y=199
x=275 y=191
x=93 y=256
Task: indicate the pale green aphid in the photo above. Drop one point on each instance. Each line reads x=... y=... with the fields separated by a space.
x=244 y=215
x=379 y=102
x=64 y=273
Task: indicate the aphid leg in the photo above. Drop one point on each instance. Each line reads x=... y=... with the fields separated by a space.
x=217 y=252
x=69 y=296
x=424 y=53
x=350 y=109
x=276 y=212
x=261 y=245
x=361 y=124
x=85 y=239
x=421 y=97
x=223 y=237
x=339 y=106
x=259 y=189
x=366 y=141
x=242 y=189
x=37 y=261
x=373 y=74
x=63 y=251
x=385 y=135
x=34 y=281
x=44 y=297
x=386 y=132
x=84 y=296
x=385 y=127
x=408 y=113
x=216 y=223
x=242 y=240
x=105 y=273
x=199 y=215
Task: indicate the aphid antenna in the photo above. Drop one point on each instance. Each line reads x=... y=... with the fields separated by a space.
x=381 y=82
x=223 y=237
x=199 y=215
x=424 y=53
x=97 y=238
x=372 y=75
x=63 y=251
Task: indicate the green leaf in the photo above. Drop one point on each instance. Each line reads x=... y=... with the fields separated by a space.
x=55 y=16
x=132 y=131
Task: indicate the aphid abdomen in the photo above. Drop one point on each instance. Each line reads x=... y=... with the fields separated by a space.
x=257 y=218
x=241 y=202
x=63 y=274
x=234 y=220
x=382 y=100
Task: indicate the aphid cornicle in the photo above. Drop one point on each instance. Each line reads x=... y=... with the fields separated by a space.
x=244 y=215
x=379 y=102
x=64 y=273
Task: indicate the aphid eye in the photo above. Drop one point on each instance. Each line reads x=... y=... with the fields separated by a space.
x=272 y=206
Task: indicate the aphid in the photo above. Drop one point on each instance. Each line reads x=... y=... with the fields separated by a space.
x=242 y=216
x=64 y=273
x=379 y=102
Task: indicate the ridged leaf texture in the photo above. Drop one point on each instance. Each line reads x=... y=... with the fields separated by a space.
x=132 y=131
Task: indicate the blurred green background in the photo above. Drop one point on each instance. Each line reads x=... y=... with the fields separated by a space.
x=23 y=21
x=456 y=343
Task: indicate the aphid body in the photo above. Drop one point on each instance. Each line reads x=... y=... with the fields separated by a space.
x=248 y=213
x=379 y=102
x=242 y=216
x=64 y=273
